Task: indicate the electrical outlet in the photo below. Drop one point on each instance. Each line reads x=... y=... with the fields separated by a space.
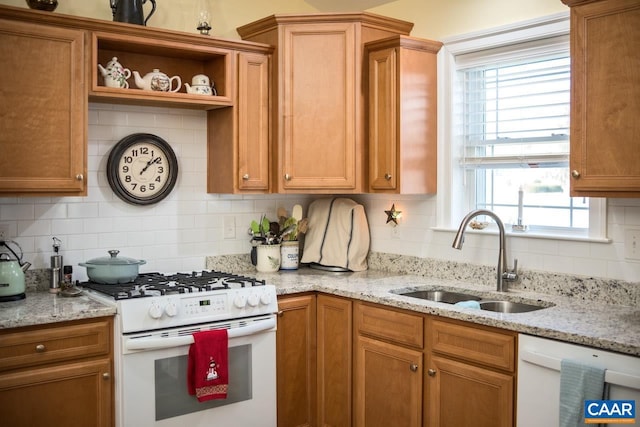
x=4 y=230
x=229 y=227
x=632 y=243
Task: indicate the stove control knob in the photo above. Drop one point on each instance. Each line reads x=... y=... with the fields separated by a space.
x=265 y=299
x=240 y=301
x=254 y=300
x=155 y=311
x=171 y=309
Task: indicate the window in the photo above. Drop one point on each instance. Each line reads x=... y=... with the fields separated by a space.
x=509 y=128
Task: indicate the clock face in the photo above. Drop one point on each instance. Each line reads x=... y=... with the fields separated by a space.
x=142 y=169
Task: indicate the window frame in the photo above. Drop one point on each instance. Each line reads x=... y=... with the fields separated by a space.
x=450 y=176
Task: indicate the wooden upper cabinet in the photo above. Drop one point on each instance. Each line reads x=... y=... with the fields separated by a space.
x=239 y=138
x=319 y=107
x=43 y=113
x=605 y=104
x=402 y=113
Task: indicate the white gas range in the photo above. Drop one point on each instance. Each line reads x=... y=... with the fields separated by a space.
x=156 y=317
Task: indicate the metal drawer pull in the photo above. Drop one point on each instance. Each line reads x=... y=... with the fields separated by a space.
x=431 y=372
x=79 y=177
x=575 y=174
x=245 y=176
x=40 y=348
x=287 y=177
x=106 y=375
x=387 y=176
x=413 y=367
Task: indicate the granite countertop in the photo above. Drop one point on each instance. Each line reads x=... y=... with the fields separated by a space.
x=581 y=310
x=42 y=307
x=606 y=326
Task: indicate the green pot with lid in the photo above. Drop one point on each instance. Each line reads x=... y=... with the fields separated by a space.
x=112 y=269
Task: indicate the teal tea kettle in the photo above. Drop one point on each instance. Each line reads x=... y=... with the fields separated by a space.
x=12 y=270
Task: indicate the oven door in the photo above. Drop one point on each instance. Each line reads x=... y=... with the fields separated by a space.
x=153 y=378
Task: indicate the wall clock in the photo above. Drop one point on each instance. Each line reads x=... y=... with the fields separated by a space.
x=142 y=169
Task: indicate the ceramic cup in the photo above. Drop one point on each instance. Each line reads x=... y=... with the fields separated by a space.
x=289 y=255
x=268 y=258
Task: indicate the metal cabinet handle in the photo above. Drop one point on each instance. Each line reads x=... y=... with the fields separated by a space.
x=431 y=372
x=413 y=367
x=387 y=176
x=40 y=348
x=79 y=177
x=575 y=174
x=287 y=177
x=106 y=375
x=280 y=313
x=245 y=176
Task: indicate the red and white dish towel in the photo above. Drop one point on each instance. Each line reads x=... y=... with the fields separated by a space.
x=208 y=368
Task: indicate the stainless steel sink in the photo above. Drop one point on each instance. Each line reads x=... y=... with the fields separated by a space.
x=442 y=296
x=508 y=306
x=495 y=305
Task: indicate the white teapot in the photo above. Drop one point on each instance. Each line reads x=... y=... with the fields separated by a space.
x=200 y=85
x=115 y=75
x=157 y=81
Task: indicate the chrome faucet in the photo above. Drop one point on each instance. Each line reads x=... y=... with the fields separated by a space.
x=503 y=273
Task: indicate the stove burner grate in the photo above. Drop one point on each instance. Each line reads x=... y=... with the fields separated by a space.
x=157 y=284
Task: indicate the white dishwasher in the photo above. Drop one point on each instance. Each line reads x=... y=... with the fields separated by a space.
x=539 y=377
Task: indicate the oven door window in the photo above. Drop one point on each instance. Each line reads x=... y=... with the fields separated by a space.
x=172 y=397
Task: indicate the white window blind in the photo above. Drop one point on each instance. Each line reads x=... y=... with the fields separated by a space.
x=516 y=113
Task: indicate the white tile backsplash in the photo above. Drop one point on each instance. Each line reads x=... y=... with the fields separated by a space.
x=179 y=232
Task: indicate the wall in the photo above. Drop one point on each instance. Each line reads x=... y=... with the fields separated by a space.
x=434 y=19
x=178 y=233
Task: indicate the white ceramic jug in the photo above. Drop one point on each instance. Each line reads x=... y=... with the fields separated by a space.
x=115 y=75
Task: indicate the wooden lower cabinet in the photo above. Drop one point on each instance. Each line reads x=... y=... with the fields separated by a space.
x=334 y=326
x=314 y=361
x=470 y=375
x=461 y=394
x=59 y=375
x=343 y=363
x=388 y=380
x=388 y=384
x=296 y=361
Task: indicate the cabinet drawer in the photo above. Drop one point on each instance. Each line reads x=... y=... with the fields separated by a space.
x=472 y=343
x=390 y=325
x=57 y=343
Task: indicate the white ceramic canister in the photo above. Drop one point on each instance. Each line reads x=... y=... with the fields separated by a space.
x=268 y=258
x=289 y=255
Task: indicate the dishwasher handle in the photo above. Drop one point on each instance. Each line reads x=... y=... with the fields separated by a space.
x=610 y=376
x=154 y=343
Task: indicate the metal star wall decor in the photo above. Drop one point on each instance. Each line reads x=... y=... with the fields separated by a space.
x=393 y=215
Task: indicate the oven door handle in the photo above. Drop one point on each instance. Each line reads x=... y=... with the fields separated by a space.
x=158 y=343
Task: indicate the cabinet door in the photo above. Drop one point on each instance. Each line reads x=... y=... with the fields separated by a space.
x=319 y=136
x=43 y=110
x=388 y=385
x=334 y=323
x=73 y=394
x=296 y=361
x=253 y=122
x=605 y=104
x=383 y=120
x=462 y=395
x=239 y=137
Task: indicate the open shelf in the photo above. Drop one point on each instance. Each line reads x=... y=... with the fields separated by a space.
x=170 y=57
